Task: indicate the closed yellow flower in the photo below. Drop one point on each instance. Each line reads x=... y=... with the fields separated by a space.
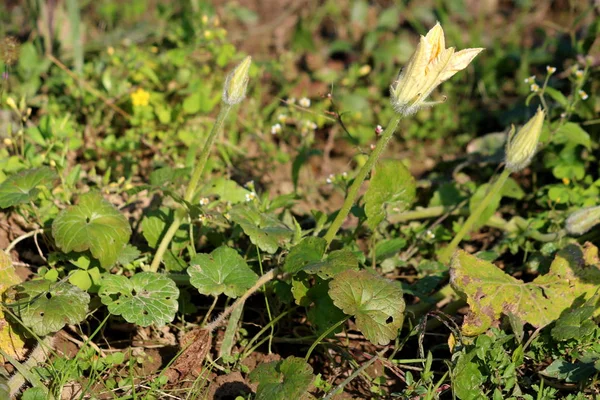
x=521 y=146
x=140 y=98
x=430 y=65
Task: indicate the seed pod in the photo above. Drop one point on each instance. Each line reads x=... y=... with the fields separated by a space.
x=236 y=83
x=583 y=220
x=521 y=147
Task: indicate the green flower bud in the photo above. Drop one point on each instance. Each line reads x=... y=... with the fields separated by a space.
x=583 y=220
x=521 y=146
x=236 y=83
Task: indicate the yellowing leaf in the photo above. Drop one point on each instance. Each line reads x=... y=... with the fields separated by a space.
x=10 y=342
x=574 y=273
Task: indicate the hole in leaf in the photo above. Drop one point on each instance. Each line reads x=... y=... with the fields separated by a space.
x=87 y=220
x=168 y=298
x=41 y=313
x=145 y=312
x=48 y=295
x=389 y=320
x=134 y=292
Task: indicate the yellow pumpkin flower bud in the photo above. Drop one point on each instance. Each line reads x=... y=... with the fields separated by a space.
x=236 y=83
x=521 y=147
x=430 y=65
x=583 y=220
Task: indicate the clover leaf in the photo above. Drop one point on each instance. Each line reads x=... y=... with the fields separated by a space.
x=282 y=380
x=95 y=225
x=23 y=187
x=391 y=184
x=46 y=307
x=376 y=303
x=146 y=298
x=222 y=271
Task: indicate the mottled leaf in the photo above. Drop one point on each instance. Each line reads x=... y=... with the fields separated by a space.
x=264 y=230
x=144 y=299
x=282 y=380
x=490 y=292
x=23 y=187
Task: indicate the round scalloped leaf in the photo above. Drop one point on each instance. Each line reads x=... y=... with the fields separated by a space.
x=282 y=380
x=23 y=187
x=393 y=185
x=376 y=302
x=46 y=307
x=222 y=271
x=95 y=225
x=146 y=298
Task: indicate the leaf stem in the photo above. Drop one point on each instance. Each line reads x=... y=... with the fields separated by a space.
x=323 y=336
x=192 y=186
x=447 y=253
x=359 y=179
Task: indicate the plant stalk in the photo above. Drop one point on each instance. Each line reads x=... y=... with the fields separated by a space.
x=359 y=179
x=447 y=253
x=192 y=186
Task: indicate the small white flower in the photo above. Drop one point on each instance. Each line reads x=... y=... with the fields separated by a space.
x=534 y=87
x=304 y=102
x=344 y=174
x=282 y=118
x=227 y=216
x=275 y=129
x=248 y=184
x=550 y=69
x=583 y=95
x=330 y=178
x=203 y=201
x=372 y=146
x=291 y=100
x=202 y=218
x=378 y=129
x=531 y=79
x=250 y=196
x=579 y=73
x=563 y=115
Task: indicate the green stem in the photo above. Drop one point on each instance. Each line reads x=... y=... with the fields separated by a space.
x=447 y=253
x=359 y=179
x=192 y=186
x=323 y=336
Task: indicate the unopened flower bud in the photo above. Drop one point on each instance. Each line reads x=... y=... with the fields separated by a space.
x=583 y=220
x=521 y=147
x=236 y=83
x=11 y=103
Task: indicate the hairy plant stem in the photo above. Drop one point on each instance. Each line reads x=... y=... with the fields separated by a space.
x=359 y=179
x=259 y=283
x=447 y=253
x=192 y=186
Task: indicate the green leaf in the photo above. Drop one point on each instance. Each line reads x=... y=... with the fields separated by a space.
x=35 y=393
x=376 y=302
x=95 y=225
x=576 y=322
x=128 y=255
x=264 y=230
x=391 y=185
x=490 y=292
x=337 y=261
x=10 y=341
x=569 y=372
x=282 y=380
x=154 y=225
x=557 y=96
x=222 y=271
x=146 y=298
x=573 y=134
x=46 y=307
x=468 y=378
x=227 y=190
x=309 y=250
x=323 y=314
x=23 y=187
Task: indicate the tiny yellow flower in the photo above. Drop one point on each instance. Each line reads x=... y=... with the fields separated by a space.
x=8 y=142
x=534 y=87
x=204 y=19
x=110 y=50
x=154 y=49
x=208 y=34
x=364 y=70
x=566 y=181
x=579 y=73
x=140 y=98
x=550 y=69
x=430 y=65
x=521 y=147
